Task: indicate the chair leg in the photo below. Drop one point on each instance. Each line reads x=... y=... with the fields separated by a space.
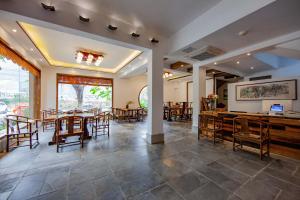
x=268 y=146
x=261 y=151
x=30 y=140
x=108 y=130
x=7 y=143
x=233 y=146
x=43 y=127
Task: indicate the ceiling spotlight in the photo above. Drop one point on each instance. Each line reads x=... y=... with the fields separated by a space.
x=213 y=72
x=237 y=62
x=215 y=63
x=248 y=54
x=243 y=33
x=84 y=19
x=155 y=41
x=135 y=35
x=48 y=7
x=251 y=67
x=181 y=65
x=14 y=30
x=112 y=28
x=31 y=49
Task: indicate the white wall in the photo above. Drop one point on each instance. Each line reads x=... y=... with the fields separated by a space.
x=176 y=91
x=286 y=73
x=124 y=89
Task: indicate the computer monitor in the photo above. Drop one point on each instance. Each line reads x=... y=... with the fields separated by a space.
x=276 y=108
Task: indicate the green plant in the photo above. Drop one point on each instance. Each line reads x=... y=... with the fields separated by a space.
x=143 y=103
x=102 y=92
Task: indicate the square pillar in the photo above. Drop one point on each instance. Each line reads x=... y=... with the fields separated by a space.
x=155 y=133
x=199 y=91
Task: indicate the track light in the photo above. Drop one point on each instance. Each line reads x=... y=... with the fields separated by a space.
x=84 y=19
x=112 y=28
x=135 y=35
x=155 y=41
x=48 y=7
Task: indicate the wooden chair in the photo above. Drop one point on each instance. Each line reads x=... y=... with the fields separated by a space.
x=210 y=126
x=20 y=129
x=251 y=131
x=48 y=118
x=71 y=130
x=101 y=122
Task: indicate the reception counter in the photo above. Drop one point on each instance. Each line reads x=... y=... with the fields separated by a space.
x=284 y=132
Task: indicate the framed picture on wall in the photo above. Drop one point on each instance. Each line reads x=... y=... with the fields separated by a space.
x=276 y=90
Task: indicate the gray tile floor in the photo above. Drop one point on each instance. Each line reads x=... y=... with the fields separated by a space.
x=124 y=166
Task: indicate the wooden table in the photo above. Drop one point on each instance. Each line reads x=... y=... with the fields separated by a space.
x=86 y=116
x=168 y=112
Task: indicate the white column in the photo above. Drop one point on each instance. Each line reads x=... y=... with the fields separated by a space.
x=199 y=87
x=155 y=98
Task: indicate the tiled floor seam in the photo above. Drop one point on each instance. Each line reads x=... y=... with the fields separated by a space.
x=278 y=194
x=175 y=191
x=214 y=182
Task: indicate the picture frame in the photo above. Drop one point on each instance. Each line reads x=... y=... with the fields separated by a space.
x=274 y=90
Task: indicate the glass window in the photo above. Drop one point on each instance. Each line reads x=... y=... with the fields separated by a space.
x=14 y=90
x=143 y=97
x=80 y=96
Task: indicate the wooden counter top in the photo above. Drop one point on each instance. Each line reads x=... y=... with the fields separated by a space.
x=295 y=116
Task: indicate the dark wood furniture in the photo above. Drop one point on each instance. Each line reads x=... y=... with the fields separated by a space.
x=211 y=126
x=250 y=131
x=72 y=129
x=86 y=116
x=101 y=124
x=21 y=129
x=284 y=130
x=48 y=118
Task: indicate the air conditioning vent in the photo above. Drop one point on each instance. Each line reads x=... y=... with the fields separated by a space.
x=260 y=78
x=188 y=50
x=206 y=53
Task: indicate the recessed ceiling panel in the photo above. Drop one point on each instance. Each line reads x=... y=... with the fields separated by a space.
x=59 y=49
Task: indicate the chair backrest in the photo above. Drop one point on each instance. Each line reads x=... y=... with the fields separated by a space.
x=103 y=118
x=71 y=123
x=15 y=123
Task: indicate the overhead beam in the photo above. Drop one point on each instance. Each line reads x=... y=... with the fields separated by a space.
x=221 y=15
x=252 y=48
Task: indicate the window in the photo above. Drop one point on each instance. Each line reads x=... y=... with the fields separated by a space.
x=143 y=97
x=78 y=92
x=14 y=90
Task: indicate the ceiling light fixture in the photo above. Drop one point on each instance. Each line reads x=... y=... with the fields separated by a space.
x=89 y=58
x=48 y=7
x=135 y=35
x=112 y=28
x=237 y=62
x=84 y=19
x=167 y=74
x=215 y=63
x=251 y=67
x=31 y=49
x=14 y=30
x=154 y=41
x=248 y=54
x=243 y=33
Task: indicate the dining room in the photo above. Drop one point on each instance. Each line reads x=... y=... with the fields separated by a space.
x=117 y=100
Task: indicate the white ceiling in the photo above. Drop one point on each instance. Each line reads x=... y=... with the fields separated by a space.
x=163 y=17
x=278 y=18
x=59 y=49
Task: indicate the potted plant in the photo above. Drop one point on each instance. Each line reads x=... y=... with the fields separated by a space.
x=128 y=103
